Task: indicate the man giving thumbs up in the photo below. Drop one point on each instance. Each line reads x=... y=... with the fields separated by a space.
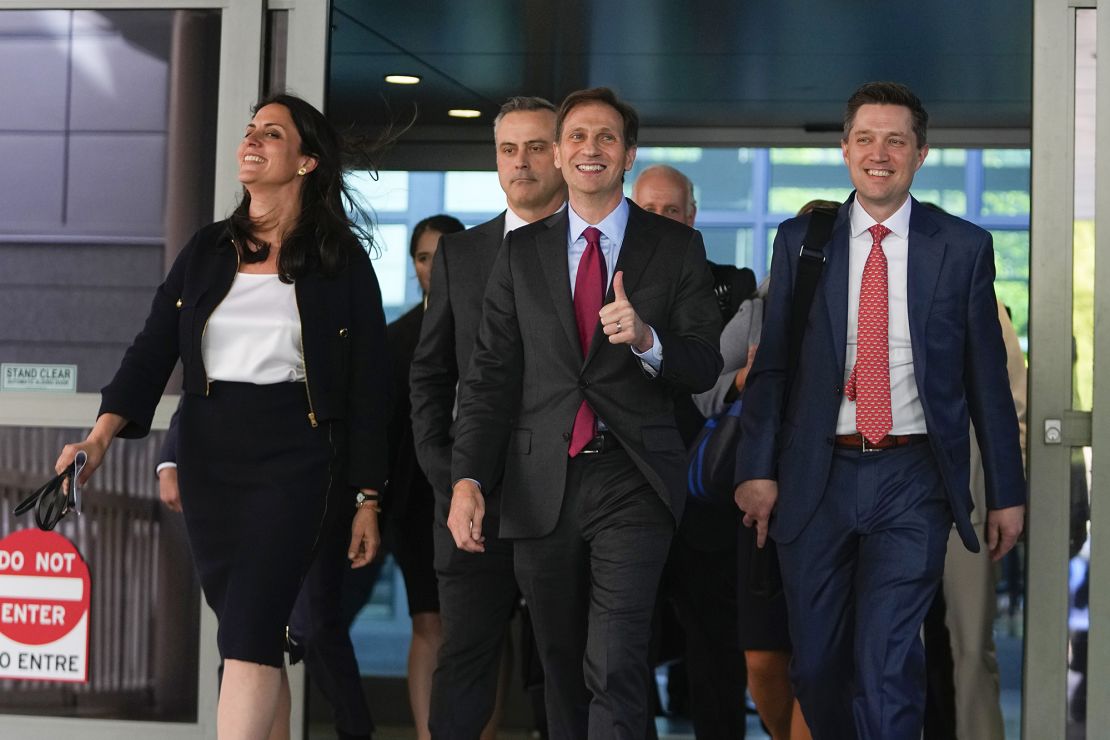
x=577 y=428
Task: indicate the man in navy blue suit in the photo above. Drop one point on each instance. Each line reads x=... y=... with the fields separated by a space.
x=856 y=460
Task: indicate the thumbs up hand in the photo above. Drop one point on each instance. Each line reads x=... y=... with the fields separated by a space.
x=620 y=322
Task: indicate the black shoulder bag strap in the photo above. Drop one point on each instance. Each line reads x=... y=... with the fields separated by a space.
x=811 y=261
x=765 y=577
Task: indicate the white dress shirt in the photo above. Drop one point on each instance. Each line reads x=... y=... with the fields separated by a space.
x=907 y=414
x=512 y=221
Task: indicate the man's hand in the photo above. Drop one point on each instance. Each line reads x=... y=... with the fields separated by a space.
x=1003 y=529
x=468 y=508
x=620 y=321
x=168 y=490
x=756 y=498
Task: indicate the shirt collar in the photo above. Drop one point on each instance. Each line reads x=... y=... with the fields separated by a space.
x=898 y=223
x=612 y=226
x=513 y=221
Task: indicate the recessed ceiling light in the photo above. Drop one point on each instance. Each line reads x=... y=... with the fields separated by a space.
x=464 y=113
x=403 y=79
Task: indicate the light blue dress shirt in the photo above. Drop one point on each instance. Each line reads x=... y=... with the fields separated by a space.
x=612 y=229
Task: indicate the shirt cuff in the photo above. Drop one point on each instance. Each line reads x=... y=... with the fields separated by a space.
x=163 y=466
x=652 y=360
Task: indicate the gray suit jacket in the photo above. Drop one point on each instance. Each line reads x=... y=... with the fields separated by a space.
x=528 y=377
x=459 y=273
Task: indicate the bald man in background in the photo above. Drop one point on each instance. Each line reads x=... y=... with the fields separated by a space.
x=700 y=577
x=664 y=190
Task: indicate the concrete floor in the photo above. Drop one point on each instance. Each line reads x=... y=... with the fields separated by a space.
x=1009 y=658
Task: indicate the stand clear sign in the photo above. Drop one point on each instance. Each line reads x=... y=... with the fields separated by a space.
x=18 y=376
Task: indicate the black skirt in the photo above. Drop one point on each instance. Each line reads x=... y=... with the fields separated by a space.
x=761 y=604
x=257 y=484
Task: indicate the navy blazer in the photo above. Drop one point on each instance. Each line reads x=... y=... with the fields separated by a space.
x=342 y=332
x=959 y=364
x=527 y=376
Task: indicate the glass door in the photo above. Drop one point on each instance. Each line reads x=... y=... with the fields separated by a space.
x=114 y=116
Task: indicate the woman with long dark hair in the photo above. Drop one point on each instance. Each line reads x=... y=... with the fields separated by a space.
x=276 y=317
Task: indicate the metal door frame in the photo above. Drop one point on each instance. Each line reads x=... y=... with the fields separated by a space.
x=1044 y=699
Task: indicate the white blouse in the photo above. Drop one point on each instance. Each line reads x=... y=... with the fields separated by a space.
x=254 y=335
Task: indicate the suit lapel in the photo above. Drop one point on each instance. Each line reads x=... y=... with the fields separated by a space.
x=551 y=248
x=637 y=249
x=926 y=255
x=836 y=278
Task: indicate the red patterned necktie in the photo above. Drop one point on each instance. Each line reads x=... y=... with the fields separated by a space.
x=869 y=384
x=589 y=292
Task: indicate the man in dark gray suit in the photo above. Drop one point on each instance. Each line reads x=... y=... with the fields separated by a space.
x=477 y=591
x=568 y=403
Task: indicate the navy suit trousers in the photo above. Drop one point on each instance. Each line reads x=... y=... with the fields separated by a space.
x=858 y=580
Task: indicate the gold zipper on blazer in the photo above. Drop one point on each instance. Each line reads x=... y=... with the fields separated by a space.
x=207 y=381
x=304 y=363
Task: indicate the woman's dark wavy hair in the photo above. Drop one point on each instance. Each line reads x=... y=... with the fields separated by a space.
x=325 y=230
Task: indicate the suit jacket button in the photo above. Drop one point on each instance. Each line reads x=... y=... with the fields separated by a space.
x=837 y=391
x=583 y=383
x=343 y=332
x=830 y=440
x=566 y=436
x=179 y=303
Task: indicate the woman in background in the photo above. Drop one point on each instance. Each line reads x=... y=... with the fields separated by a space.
x=276 y=317
x=411 y=507
x=761 y=611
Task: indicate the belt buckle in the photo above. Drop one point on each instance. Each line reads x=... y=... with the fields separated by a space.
x=595 y=446
x=865 y=446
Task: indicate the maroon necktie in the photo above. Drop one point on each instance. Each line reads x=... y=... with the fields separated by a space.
x=589 y=292
x=869 y=384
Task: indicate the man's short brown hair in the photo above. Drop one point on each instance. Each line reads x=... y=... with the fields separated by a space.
x=608 y=97
x=888 y=93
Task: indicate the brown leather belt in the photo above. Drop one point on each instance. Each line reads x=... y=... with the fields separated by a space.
x=858 y=442
x=603 y=442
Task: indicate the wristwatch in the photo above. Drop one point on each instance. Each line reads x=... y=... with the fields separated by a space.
x=372 y=500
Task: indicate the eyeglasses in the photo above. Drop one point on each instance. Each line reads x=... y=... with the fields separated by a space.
x=57 y=497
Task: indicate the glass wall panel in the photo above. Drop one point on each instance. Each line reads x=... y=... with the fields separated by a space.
x=1005 y=183
x=722 y=177
x=392 y=264
x=801 y=175
x=1011 y=283
x=89 y=158
x=729 y=246
x=384 y=192
x=466 y=192
x=942 y=181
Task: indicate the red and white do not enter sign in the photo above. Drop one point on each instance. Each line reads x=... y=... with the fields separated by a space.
x=44 y=606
